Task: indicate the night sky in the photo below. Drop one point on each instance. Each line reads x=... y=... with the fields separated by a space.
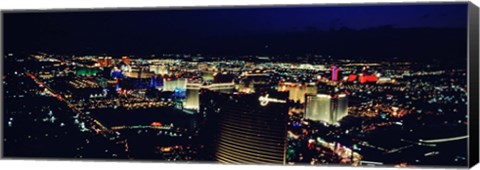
x=414 y=31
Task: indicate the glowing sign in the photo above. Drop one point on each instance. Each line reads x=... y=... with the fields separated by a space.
x=335 y=71
x=264 y=100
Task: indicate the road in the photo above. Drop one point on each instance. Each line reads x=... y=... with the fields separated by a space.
x=94 y=124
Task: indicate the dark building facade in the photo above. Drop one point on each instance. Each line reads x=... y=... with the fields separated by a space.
x=246 y=128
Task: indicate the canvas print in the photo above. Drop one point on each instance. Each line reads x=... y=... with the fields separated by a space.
x=311 y=85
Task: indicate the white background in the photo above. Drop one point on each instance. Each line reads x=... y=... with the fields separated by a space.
x=86 y=4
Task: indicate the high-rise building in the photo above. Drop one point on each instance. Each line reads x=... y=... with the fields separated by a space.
x=326 y=108
x=297 y=91
x=250 y=128
x=159 y=69
x=192 y=98
x=335 y=73
x=172 y=84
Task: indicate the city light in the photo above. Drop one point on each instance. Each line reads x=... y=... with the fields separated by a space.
x=238 y=90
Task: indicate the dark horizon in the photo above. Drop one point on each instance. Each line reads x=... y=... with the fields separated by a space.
x=421 y=31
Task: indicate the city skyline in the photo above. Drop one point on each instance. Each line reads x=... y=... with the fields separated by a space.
x=299 y=85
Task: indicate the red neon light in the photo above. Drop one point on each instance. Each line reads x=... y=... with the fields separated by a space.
x=352 y=77
x=368 y=78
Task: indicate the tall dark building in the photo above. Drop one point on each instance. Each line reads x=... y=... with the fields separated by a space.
x=247 y=128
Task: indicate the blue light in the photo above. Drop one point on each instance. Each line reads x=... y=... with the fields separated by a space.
x=117 y=74
x=179 y=93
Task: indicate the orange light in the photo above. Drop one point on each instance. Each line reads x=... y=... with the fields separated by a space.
x=156 y=124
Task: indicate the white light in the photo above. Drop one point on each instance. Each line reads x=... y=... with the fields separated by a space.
x=324 y=95
x=264 y=100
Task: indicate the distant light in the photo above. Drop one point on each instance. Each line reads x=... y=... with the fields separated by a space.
x=264 y=100
x=156 y=124
x=324 y=95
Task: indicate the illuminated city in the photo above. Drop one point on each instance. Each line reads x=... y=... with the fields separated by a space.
x=261 y=106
